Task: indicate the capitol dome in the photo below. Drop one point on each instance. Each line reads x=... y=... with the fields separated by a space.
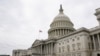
x=61 y=25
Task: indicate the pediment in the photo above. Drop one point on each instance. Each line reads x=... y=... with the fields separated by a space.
x=36 y=42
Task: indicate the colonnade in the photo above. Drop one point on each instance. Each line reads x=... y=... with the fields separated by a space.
x=45 y=49
x=48 y=49
x=59 y=32
x=95 y=40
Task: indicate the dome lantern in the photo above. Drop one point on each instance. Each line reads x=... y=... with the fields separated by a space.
x=61 y=9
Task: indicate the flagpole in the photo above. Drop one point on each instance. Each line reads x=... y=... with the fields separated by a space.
x=39 y=33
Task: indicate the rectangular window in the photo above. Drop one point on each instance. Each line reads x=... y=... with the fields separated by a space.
x=63 y=48
x=78 y=46
x=73 y=46
x=59 y=50
x=78 y=54
x=68 y=48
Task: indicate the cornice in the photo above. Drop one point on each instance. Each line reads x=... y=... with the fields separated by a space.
x=75 y=32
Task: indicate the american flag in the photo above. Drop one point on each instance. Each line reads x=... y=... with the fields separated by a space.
x=40 y=30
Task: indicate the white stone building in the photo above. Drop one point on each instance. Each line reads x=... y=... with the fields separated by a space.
x=65 y=40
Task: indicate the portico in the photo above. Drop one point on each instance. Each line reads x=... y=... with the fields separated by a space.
x=44 y=48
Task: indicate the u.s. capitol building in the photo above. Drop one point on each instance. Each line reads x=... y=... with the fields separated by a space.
x=65 y=40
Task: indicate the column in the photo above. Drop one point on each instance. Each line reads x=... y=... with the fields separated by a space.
x=94 y=42
x=41 y=49
x=37 y=49
x=62 y=31
x=55 y=33
x=59 y=32
x=51 y=48
x=91 y=41
x=44 y=50
x=47 y=48
x=67 y=31
x=98 y=40
x=51 y=33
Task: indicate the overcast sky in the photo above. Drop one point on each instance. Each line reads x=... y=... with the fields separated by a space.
x=21 y=20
